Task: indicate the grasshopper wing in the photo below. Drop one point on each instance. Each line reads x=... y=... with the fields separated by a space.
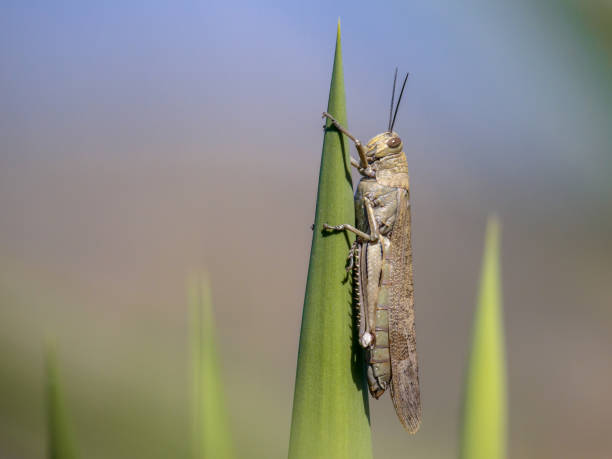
x=405 y=391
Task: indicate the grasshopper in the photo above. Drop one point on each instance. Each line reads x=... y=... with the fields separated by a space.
x=381 y=259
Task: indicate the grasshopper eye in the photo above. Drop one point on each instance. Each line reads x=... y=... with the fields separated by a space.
x=394 y=142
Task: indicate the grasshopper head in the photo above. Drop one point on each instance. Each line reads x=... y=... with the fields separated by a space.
x=386 y=157
x=387 y=143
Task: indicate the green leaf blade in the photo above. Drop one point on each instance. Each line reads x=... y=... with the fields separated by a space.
x=484 y=426
x=60 y=443
x=330 y=407
x=211 y=432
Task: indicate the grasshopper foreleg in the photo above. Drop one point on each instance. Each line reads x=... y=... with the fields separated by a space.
x=362 y=165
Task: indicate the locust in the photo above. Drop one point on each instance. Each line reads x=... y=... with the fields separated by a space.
x=381 y=260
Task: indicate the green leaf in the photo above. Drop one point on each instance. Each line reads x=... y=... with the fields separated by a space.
x=330 y=404
x=211 y=434
x=60 y=443
x=485 y=404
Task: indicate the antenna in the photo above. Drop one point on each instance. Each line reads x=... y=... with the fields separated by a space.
x=392 y=97
x=399 y=99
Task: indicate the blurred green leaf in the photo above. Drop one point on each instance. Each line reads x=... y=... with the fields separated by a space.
x=211 y=433
x=60 y=441
x=330 y=405
x=484 y=406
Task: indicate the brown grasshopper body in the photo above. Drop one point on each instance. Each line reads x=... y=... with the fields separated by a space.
x=381 y=258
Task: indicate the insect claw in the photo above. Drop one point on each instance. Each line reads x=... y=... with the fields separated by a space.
x=327 y=115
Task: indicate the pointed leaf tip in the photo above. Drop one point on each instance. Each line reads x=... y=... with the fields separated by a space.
x=210 y=418
x=485 y=393
x=330 y=405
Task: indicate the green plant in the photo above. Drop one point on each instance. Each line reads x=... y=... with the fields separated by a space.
x=211 y=433
x=330 y=405
x=60 y=443
x=484 y=405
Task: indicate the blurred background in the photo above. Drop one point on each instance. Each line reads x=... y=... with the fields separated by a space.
x=143 y=141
